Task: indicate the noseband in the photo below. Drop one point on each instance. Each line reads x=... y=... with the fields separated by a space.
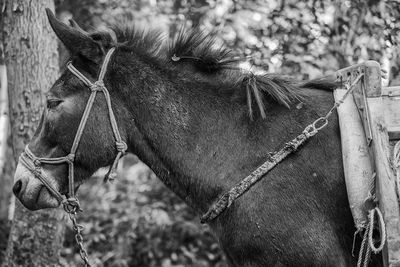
x=34 y=163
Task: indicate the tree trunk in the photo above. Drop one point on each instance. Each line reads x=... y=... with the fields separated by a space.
x=30 y=48
x=5 y=152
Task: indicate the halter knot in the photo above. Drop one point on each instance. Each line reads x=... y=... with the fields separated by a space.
x=121 y=146
x=97 y=86
x=37 y=163
x=70 y=157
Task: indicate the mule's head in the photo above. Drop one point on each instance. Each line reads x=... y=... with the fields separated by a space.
x=66 y=101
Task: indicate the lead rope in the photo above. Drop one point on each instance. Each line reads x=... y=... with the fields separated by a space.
x=226 y=200
x=396 y=166
x=367 y=244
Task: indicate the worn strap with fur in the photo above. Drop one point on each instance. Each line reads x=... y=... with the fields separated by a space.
x=226 y=200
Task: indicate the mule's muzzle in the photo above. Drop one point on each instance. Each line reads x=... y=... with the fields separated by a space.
x=31 y=192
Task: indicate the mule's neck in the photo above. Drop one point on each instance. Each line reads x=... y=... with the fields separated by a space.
x=198 y=143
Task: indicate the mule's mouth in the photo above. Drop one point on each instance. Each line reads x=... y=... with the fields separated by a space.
x=31 y=192
x=44 y=199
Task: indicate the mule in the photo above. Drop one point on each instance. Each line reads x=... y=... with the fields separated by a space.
x=202 y=124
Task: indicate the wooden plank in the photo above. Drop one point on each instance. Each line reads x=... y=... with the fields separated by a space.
x=357 y=164
x=372 y=77
x=393 y=132
x=391 y=99
x=393 y=91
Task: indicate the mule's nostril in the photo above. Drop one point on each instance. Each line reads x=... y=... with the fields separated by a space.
x=17 y=187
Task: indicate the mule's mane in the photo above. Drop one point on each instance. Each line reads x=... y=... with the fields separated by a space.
x=188 y=45
x=211 y=60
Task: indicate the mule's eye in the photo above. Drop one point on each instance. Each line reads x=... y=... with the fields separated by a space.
x=53 y=102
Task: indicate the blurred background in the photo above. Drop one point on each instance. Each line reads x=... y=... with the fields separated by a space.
x=305 y=39
x=137 y=221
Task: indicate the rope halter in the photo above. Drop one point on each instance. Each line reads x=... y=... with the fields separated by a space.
x=34 y=163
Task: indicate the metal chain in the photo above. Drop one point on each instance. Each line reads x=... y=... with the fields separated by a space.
x=321 y=122
x=72 y=207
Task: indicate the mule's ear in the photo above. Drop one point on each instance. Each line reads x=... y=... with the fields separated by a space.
x=75 y=25
x=76 y=40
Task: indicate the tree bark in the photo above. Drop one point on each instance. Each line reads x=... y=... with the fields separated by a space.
x=6 y=179
x=32 y=63
x=5 y=152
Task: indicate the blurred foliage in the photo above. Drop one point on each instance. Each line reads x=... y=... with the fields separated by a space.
x=4 y=231
x=136 y=221
x=304 y=39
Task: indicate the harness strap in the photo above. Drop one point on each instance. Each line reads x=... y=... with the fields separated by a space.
x=33 y=163
x=96 y=87
x=226 y=200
